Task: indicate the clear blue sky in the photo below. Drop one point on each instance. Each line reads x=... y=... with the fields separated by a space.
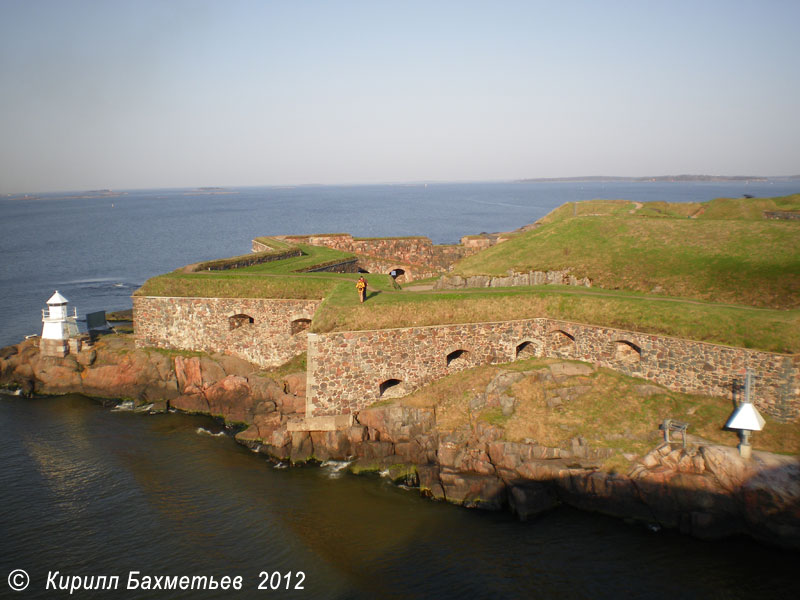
x=132 y=94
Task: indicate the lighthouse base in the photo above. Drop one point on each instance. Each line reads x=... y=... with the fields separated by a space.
x=53 y=347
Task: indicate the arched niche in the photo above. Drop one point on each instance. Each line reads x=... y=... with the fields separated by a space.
x=299 y=325
x=627 y=352
x=560 y=338
x=391 y=388
x=458 y=358
x=526 y=349
x=240 y=320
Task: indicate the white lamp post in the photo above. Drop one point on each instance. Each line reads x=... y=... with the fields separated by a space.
x=746 y=419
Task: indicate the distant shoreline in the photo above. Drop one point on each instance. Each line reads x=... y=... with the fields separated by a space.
x=657 y=179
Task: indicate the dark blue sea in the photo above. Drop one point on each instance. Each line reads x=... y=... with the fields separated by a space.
x=85 y=490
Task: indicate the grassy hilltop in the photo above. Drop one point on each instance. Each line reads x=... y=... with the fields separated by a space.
x=716 y=271
x=722 y=251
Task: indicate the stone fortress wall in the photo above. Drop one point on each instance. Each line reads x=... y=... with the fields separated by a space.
x=348 y=371
x=417 y=257
x=263 y=331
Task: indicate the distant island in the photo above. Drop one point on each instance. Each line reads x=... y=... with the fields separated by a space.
x=660 y=178
x=210 y=190
x=105 y=193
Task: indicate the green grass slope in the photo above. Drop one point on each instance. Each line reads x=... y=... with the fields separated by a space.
x=720 y=251
x=278 y=279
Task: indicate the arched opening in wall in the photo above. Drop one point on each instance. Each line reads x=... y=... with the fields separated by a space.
x=391 y=388
x=299 y=325
x=458 y=358
x=561 y=339
x=362 y=270
x=627 y=352
x=561 y=344
x=397 y=272
x=525 y=350
x=239 y=320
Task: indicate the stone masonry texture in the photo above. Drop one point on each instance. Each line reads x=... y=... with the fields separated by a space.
x=348 y=371
x=419 y=255
x=223 y=325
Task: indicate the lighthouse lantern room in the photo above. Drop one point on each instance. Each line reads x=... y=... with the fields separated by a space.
x=59 y=327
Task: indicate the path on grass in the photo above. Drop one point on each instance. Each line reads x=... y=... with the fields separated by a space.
x=427 y=288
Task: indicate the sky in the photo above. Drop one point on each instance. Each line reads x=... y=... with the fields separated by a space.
x=145 y=94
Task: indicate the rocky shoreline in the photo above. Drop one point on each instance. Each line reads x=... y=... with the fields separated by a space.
x=705 y=489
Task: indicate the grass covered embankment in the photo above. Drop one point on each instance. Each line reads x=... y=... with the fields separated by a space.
x=719 y=276
x=763 y=329
x=605 y=408
x=722 y=251
x=282 y=278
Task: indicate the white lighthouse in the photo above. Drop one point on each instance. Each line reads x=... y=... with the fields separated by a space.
x=58 y=326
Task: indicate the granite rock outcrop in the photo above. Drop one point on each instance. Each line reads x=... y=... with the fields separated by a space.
x=703 y=489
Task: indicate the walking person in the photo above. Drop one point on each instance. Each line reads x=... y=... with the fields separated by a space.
x=361 y=286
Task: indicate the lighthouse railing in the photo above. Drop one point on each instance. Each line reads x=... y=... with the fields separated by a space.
x=46 y=314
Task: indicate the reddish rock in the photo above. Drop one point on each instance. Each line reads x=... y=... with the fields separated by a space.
x=127 y=379
x=529 y=498
x=449 y=454
x=211 y=371
x=192 y=403
x=249 y=437
x=8 y=351
x=22 y=371
x=473 y=490
x=302 y=448
x=412 y=452
x=295 y=384
x=263 y=388
x=57 y=375
x=330 y=445
x=357 y=434
x=373 y=450
x=233 y=365
x=187 y=371
x=287 y=404
x=230 y=398
x=162 y=365
x=87 y=357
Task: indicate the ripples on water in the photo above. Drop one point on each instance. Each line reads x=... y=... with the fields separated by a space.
x=85 y=490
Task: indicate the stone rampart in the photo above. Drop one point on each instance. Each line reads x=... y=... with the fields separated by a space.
x=257 y=246
x=405 y=272
x=246 y=260
x=563 y=277
x=267 y=332
x=348 y=265
x=782 y=215
x=418 y=253
x=348 y=371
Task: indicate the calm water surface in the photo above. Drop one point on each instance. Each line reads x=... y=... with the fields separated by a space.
x=87 y=491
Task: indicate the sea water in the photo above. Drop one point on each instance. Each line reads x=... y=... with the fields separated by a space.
x=86 y=490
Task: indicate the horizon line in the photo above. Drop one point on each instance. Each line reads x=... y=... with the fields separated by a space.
x=679 y=178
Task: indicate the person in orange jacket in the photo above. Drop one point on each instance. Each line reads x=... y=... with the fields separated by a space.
x=361 y=286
